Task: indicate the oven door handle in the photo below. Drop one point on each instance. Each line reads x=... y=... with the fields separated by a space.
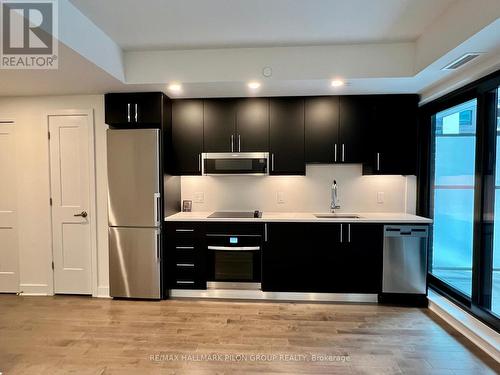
x=234 y=248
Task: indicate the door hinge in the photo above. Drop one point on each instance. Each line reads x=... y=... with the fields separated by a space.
x=52 y=265
x=50 y=201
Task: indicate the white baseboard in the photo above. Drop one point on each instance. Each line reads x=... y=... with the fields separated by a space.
x=479 y=333
x=34 y=290
x=102 y=292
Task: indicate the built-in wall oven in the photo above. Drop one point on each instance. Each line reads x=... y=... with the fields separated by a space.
x=234 y=260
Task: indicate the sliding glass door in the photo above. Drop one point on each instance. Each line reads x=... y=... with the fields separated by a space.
x=463 y=197
x=454 y=151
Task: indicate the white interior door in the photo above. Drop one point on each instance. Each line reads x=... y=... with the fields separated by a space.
x=70 y=191
x=9 y=251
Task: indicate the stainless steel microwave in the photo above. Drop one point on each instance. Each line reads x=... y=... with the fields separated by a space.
x=235 y=163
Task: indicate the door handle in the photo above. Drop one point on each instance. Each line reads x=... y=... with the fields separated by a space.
x=82 y=214
x=136 y=115
x=341 y=240
x=232 y=142
x=128 y=112
x=378 y=161
x=343 y=152
x=158 y=246
x=239 y=143
x=156 y=213
x=349 y=233
x=272 y=162
x=335 y=153
x=199 y=162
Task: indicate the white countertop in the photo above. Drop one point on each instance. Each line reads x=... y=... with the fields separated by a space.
x=364 y=217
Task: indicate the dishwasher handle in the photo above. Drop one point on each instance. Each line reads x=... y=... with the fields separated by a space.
x=406 y=231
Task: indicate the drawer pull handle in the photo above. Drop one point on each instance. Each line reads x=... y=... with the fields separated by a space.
x=184 y=247
x=185 y=265
x=184 y=282
x=184 y=230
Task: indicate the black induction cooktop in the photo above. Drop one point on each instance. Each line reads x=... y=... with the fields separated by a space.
x=235 y=215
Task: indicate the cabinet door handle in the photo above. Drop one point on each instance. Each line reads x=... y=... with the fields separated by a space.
x=349 y=233
x=343 y=152
x=199 y=162
x=184 y=282
x=136 y=116
x=378 y=161
x=272 y=162
x=128 y=112
x=265 y=232
x=239 y=143
x=335 y=153
x=341 y=240
x=232 y=143
x=184 y=265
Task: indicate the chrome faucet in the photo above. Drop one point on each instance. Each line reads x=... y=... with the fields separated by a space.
x=335 y=200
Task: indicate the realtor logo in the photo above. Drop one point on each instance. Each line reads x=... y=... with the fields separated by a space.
x=29 y=34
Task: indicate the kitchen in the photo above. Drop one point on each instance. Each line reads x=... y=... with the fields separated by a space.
x=261 y=217
x=251 y=138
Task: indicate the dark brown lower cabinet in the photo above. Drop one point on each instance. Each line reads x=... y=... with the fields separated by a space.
x=184 y=261
x=316 y=257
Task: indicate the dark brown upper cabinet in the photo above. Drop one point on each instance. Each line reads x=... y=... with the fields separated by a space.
x=252 y=125
x=143 y=109
x=391 y=141
x=335 y=128
x=187 y=136
x=219 y=119
x=322 y=129
x=356 y=115
x=236 y=125
x=286 y=136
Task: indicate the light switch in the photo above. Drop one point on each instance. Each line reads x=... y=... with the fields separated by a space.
x=280 y=197
x=380 y=197
x=199 y=197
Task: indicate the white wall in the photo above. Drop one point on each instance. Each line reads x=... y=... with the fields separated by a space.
x=33 y=185
x=311 y=193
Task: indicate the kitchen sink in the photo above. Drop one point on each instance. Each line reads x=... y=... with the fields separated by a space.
x=337 y=216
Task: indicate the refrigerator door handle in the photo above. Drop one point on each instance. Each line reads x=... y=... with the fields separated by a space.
x=156 y=197
x=158 y=246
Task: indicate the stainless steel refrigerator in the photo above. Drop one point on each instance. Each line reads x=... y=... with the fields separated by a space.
x=134 y=210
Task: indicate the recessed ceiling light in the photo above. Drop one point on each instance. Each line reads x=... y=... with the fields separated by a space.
x=337 y=83
x=175 y=87
x=254 y=85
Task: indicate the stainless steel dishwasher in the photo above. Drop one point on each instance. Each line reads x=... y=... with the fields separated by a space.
x=405 y=259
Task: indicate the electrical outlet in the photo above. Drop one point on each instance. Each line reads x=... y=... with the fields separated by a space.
x=199 y=197
x=280 y=197
x=380 y=197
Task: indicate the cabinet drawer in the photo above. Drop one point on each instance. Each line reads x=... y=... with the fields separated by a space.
x=185 y=270
x=185 y=278
x=187 y=255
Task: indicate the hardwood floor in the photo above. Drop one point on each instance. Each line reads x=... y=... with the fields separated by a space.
x=61 y=335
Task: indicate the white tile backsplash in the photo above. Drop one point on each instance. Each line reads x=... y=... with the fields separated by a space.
x=310 y=193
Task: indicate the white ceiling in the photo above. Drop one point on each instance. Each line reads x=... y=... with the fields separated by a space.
x=186 y=24
x=376 y=46
x=75 y=75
